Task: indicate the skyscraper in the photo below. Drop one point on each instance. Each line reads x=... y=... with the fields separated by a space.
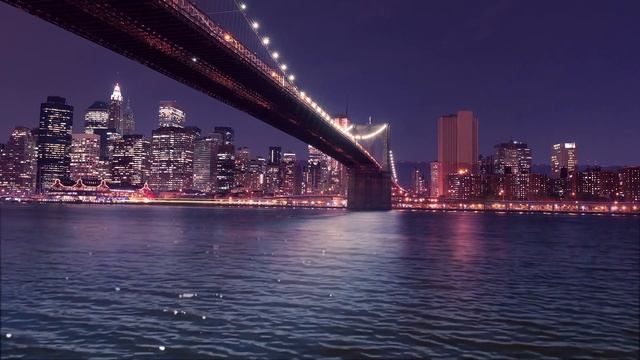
x=226 y=133
x=130 y=161
x=457 y=145
x=317 y=174
x=512 y=157
x=115 y=109
x=288 y=170
x=435 y=172
x=128 y=120
x=272 y=173
x=417 y=182
x=243 y=155
x=563 y=156
x=18 y=163
x=96 y=117
x=630 y=183
x=170 y=114
x=54 y=141
x=205 y=157
x=85 y=156
x=172 y=158
x=225 y=167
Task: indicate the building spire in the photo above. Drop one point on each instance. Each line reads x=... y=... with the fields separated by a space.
x=116 y=95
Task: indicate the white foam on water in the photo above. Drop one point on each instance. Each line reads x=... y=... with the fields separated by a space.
x=117 y=288
x=9 y=335
x=204 y=317
x=161 y=348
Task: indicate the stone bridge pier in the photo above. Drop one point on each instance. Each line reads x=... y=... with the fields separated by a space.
x=369 y=189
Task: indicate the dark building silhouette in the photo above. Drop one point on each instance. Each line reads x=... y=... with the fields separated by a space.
x=54 y=141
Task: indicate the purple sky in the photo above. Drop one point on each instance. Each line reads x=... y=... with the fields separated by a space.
x=535 y=71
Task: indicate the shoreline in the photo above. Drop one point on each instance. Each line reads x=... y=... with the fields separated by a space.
x=239 y=205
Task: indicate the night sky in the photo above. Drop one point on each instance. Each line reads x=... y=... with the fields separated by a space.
x=535 y=71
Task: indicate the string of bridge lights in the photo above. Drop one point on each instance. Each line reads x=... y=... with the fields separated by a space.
x=283 y=67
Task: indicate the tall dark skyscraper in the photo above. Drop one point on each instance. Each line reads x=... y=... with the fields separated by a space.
x=227 y=134
x=115 y=110
x=225 y=167
x=54 y=141
x=513 y=157
x=128 y=120
x=130 y=161
x=204 y=162
x=172 y=158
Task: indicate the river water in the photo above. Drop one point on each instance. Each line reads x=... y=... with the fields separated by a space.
x=101 y=281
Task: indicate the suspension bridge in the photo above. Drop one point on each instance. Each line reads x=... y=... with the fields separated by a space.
x=186 y=41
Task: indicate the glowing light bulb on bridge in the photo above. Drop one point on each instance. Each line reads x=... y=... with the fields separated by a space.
x=283 y=67
x=303 y=94
x=291 y=77
x=275 y=55
x=243 y=6
x=255 y=25
x=266 y=40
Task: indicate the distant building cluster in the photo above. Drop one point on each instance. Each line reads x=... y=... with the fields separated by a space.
x=176 y=160
x=461 y=174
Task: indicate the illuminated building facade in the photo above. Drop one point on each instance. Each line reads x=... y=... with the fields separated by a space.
x=172 y=158
x=512 y=157
x=227 y=134
x=435 y=174
x=225 y=167
x=289 y=174
x=242 y=168
x=563 y=156
x=630 y=183
x=257 y=170
x=417 y=182
x=457 y=145
x=115 y=110
x=273 y=174
x=595 y=183
x=96 y=117
x=205 y=157
x=18 y=163
x=170 y=114
x=85 y=156
x=464 y=186
x=131 y=160
x=54 y=142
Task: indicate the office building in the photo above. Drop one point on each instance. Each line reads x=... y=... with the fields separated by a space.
x=457 y=146
x=289 y=174
x=630 y=183
x=226 y=133
x=225 y=167
x=115 y=110
x=564 y=160
x=18 y=159
x=172 y=158
x=464 y=185
x=205 y=157
x=512 y=157
x=85 y=156
x=131 y=160
x=54 y=142
x=170 y=114
x=128 y=120
x=96 y=117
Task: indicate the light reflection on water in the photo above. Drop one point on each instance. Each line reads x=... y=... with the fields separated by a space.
x=315 y=283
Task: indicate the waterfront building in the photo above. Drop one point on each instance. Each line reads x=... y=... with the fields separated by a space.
x=85 y=156
x=289 y=174
x=539 y=187
x=273 y=175
x=512 y=157
x=18 y=160
x=131 y=160
x=115 y=110
x=225 y=167
x=170 y=114
x=595 y=183
x=172 y=158
x=464 y=185
x=563 y=156
x=96 y=117
x=54 y=141
x=205 y=157
x=128 y=120
x=630 y=183
x=457 y=146
x=516 y=186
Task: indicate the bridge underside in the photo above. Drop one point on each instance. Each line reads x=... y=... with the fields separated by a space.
x=369 y=190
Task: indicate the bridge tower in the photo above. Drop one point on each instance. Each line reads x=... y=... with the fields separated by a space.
x=369 y=188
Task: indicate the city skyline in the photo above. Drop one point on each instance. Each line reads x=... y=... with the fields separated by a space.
x=413 y=136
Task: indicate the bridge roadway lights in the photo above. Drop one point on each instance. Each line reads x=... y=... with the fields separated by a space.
x=369 y=190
